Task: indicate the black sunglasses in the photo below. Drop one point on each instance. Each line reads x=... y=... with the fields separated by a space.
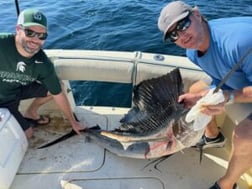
x=182 y=25
x=31 y=33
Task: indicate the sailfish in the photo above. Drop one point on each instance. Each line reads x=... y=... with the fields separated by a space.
x=155 y=126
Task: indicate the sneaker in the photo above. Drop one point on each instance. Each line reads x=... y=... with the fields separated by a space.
x=217 y=142
x=216 y=186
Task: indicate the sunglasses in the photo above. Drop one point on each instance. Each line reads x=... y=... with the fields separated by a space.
x=30 y=33
x=182 y=25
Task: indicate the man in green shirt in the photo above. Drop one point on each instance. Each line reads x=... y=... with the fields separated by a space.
x=26 y=72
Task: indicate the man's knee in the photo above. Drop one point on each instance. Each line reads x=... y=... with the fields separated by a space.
x=243 y=131
x=198 y=86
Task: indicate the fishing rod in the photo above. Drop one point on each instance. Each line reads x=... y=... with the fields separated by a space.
x=234 y=68
x=17 y=7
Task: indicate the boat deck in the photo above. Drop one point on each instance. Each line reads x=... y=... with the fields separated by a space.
x=77 y=164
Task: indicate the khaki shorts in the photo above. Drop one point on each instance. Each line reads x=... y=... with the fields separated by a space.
x=239 y=111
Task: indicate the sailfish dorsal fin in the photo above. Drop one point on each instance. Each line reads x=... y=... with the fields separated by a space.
x=155 y=103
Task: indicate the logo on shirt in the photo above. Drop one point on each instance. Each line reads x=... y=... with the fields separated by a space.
x=20 y=66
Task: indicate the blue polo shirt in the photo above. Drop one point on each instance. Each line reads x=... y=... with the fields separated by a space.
x=230 y=40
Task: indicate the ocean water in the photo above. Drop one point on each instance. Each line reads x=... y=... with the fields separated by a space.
x=125 y=25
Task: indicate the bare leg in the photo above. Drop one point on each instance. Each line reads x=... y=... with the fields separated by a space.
x=32 y=111
x=241 y=159
x=211 y=130
x=197 y=87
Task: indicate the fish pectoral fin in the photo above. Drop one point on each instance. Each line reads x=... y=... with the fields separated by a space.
x=126 y=145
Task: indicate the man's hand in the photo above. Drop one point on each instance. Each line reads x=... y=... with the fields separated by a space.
x=78 y=126
x=212 y=110
x=189 y=99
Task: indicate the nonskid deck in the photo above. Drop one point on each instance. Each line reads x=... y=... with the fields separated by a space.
x=74 y=163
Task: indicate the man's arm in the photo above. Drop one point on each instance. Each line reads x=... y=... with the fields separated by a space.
x=64 y=105
x=244 y=95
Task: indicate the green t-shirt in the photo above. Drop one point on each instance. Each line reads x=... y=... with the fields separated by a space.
x=17 y=71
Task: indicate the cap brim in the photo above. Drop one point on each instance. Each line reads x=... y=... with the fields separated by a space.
x=33 y=24
x=180 y=17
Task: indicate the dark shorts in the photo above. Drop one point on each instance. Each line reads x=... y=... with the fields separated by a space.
x=30 y=91
x=249 y=116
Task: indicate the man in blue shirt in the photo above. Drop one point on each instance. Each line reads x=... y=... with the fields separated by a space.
x=216 y=46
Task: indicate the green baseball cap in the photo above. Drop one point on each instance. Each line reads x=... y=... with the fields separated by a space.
x=32 y=17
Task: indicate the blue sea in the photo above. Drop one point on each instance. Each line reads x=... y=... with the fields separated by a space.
x=118 y=25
